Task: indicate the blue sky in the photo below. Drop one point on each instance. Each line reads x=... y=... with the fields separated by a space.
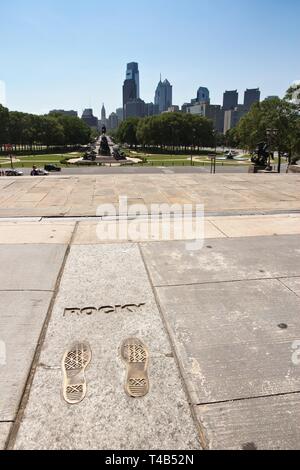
x=72 y=54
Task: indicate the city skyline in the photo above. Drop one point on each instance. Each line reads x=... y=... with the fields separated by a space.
x=235 y=48
x=109 y=109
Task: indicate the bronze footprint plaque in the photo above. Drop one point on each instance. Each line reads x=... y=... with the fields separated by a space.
x=136 y=357
x=75 y=361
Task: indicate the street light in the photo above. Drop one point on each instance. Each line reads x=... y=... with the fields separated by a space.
x=272 y=135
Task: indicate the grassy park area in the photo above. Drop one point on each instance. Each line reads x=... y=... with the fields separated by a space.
x=38 y=160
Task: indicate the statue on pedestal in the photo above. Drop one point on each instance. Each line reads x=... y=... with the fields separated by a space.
x=262 y=157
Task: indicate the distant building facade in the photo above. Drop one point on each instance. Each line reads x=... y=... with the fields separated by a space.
x=163 y=96
x=113 y=121
x=233 y=116
x=120 y=114
x=272 y=97
x=63 y=112
x=203 y=95
x=89 y=118
x=173 y=109
x=230 y=100
x=211 y=111
x=151 y=109
x=135 y=108
x=251 y=97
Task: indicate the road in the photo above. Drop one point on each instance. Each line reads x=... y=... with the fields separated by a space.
x=139 y=170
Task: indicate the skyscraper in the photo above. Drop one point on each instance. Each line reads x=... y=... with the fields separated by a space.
x=230 y=99
x=131 y=87
x=163 y=95
x=103 y=113
x=251 y=96
x=129 y=93
x=203 y=95
x=133 y=73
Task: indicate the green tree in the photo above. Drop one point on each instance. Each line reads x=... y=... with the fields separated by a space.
x=75 y=130
x=51 y=131
x=4 y=125
x=127 y=132
x=270 y=114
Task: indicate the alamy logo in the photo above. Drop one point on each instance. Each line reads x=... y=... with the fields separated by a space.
x=2 y=353
x=157 y=222
x=296 y=353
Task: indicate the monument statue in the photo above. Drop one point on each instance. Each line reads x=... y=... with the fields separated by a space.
x=104 y=149
x=262 y=156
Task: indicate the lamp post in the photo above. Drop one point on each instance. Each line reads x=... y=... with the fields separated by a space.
x=272 y=135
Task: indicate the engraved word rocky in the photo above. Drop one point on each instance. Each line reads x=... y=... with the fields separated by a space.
x=106 y=309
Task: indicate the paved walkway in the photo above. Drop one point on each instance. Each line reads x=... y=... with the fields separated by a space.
x=221 y=323
x=82 y=195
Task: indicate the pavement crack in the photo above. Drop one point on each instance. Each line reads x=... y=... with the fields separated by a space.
x=234 y=400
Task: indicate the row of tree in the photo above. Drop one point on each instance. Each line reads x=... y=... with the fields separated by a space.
x=175 y=130
x=49 y=130
x=276 y=114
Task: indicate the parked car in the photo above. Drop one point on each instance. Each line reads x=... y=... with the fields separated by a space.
x=39 y=172
x=53 y=168
x=13 y=172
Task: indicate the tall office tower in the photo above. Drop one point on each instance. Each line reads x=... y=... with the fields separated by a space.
x=132 y=73
x=251 y=96
x=120 y=114
x=103 y=113
x=129 y=93
x=163 y=95
x=203 y=95
x=230 y=100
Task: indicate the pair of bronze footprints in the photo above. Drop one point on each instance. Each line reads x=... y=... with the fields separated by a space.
x=75 y=361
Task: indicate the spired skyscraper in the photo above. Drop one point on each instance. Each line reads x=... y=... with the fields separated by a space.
x=103 y=113
x=163 y=96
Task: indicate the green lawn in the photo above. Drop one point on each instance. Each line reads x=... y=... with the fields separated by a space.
x=38 y=160
x=183 y=160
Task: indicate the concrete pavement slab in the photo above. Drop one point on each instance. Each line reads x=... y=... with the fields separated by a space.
x=234 y=339
x=170 y=263
x=293 y=284
x=30 y=267
x=4 y=432
x=98 y=232
x=110 y=287
x=21 y=320
x=270 y=423
x=32 y=233
x=254 y=226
